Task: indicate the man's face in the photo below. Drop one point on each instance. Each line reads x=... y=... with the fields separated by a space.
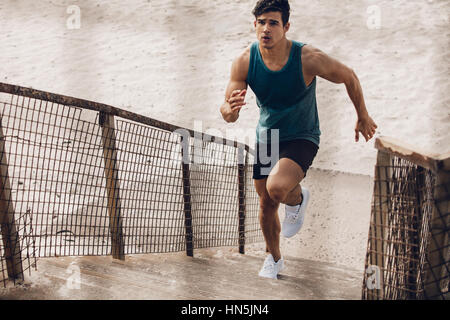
x=270 y=29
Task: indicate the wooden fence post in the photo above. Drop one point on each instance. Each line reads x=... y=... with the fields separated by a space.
x=437 y=276
x=379 y=221
x=242 y=166
x=185 y=156
x=10 y=235
x=106 y=122
x=415 y=221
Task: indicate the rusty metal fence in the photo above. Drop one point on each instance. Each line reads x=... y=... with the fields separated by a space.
x=82 y=178
x=408 y=247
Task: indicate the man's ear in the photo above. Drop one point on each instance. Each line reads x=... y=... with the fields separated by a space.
x=254 y=23
x=287 y=26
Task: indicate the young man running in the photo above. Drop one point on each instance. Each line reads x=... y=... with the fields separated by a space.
x=282 y=74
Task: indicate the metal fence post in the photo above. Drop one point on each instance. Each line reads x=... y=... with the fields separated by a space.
x=106 y=122
x=10 y=234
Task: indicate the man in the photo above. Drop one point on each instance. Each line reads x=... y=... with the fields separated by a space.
x=282 y=74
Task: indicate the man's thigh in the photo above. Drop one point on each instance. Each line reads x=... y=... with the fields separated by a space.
x=286 y=175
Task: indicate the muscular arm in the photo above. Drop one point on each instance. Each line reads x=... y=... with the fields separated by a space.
x=236 y=89
x=317 y=63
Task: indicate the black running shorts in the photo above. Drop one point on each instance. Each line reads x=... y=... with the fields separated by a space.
x=301 y=151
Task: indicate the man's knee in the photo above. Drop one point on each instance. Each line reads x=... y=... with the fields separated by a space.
x=277 y=192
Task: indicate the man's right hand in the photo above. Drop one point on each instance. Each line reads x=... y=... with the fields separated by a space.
x=236 y=102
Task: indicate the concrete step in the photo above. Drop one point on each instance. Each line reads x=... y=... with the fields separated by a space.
x=213 y=274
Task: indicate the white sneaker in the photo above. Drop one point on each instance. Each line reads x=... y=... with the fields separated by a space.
x=295 y=216
x=271 y=268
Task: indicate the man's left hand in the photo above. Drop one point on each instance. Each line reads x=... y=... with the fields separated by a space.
x=367 y=127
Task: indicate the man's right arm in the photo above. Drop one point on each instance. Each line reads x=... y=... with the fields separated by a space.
x=236 y=89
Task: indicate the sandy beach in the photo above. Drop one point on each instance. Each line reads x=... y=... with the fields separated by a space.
x=170 y=60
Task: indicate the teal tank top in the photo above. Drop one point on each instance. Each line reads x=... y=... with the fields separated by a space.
x=284 y=101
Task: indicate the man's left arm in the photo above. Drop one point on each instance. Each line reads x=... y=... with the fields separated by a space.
x=317 y=63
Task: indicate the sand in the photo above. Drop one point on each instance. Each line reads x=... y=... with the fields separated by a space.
x=170 y=60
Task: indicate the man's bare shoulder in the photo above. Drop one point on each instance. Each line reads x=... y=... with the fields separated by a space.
x=313 y=60
x=245 y=55
x=309 y=52
x=241 y=64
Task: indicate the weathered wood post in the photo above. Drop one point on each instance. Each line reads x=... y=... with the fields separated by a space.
x=242 y=165
x=10 y=234
x=187 y=204
x=416 y=221
x=378 y=223
x=437 y=276
x=106 y=122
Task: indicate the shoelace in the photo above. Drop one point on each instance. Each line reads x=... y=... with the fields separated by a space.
x=269 y=266
x=292 y=216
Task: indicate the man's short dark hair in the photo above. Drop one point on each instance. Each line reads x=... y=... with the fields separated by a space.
x=263 y=6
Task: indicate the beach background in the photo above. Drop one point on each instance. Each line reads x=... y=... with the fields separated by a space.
x=170 y=60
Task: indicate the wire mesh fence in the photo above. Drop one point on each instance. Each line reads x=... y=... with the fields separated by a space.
x=95 y=180
x=408 y=248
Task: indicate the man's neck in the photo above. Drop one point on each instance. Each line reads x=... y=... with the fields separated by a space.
x=278 y=52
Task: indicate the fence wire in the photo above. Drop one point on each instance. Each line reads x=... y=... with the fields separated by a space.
x=408 y=238
x=86 y=188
